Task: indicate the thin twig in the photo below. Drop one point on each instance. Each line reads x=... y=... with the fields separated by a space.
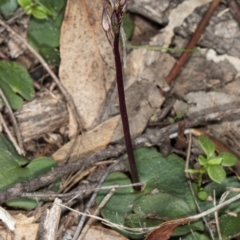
x=96 y=212
x=146 y=230
x=48 y=69
x=216 y=208
x=15 y=125
x=77 y=193
x=216 y=216
x=198 y=32
x=10 y=136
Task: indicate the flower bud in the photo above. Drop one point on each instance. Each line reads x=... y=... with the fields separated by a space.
x=106 y=22
x=115 y=22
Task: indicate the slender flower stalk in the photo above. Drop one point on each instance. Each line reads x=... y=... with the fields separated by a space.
x=112 y=28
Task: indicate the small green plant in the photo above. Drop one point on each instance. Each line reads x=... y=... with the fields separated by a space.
x=36 y=8
x=212 y=164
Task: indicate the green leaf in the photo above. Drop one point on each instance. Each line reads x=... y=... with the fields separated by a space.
x=15 y=168
x=207 y=146
x=195 y=236
x=163 y=206
x=229 y=226
x=23 y=203
x=39 y=166
x=39 y=12
x=228 y=159
x=54 y=5
x=24 y=3
x=128 y=26
x=51 y=55
x=7 y=7
x=120 y=204
x=216 y=173
x=215 y=161
x=202 y=160
x=6 y=147
x=160 y=174
x=15 y=81
x=44 y=34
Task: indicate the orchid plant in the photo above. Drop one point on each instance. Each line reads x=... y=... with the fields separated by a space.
x=112 y=25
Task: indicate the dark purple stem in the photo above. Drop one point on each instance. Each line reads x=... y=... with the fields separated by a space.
x=123 y=111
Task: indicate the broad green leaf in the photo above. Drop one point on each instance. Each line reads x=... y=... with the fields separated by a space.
x=39 y=12
x=7 y=7
x=215 y=161
x=207 y=146
x=120 y=203
x=11 y=173
x=6 y=146
x=24 y=3
x=163 y=206
x=14 y=100
x=228 y=159
x=44 y=34
x=12 y=169
x=39 y=166
x=229 y=226
x=15 y=81
x=54 y=5
x=216 y=173
x=165 y=175
x=195 y=236
x=50 y=54
x=202 y=160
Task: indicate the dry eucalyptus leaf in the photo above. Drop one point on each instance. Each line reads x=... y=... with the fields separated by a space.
x=166 y=229
x=89 y=142
x=86 y=69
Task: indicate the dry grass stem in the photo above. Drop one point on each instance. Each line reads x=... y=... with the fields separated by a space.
x=96 y=213
x=19 y=149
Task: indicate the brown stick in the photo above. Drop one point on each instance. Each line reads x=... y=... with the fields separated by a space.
x=184 y=56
